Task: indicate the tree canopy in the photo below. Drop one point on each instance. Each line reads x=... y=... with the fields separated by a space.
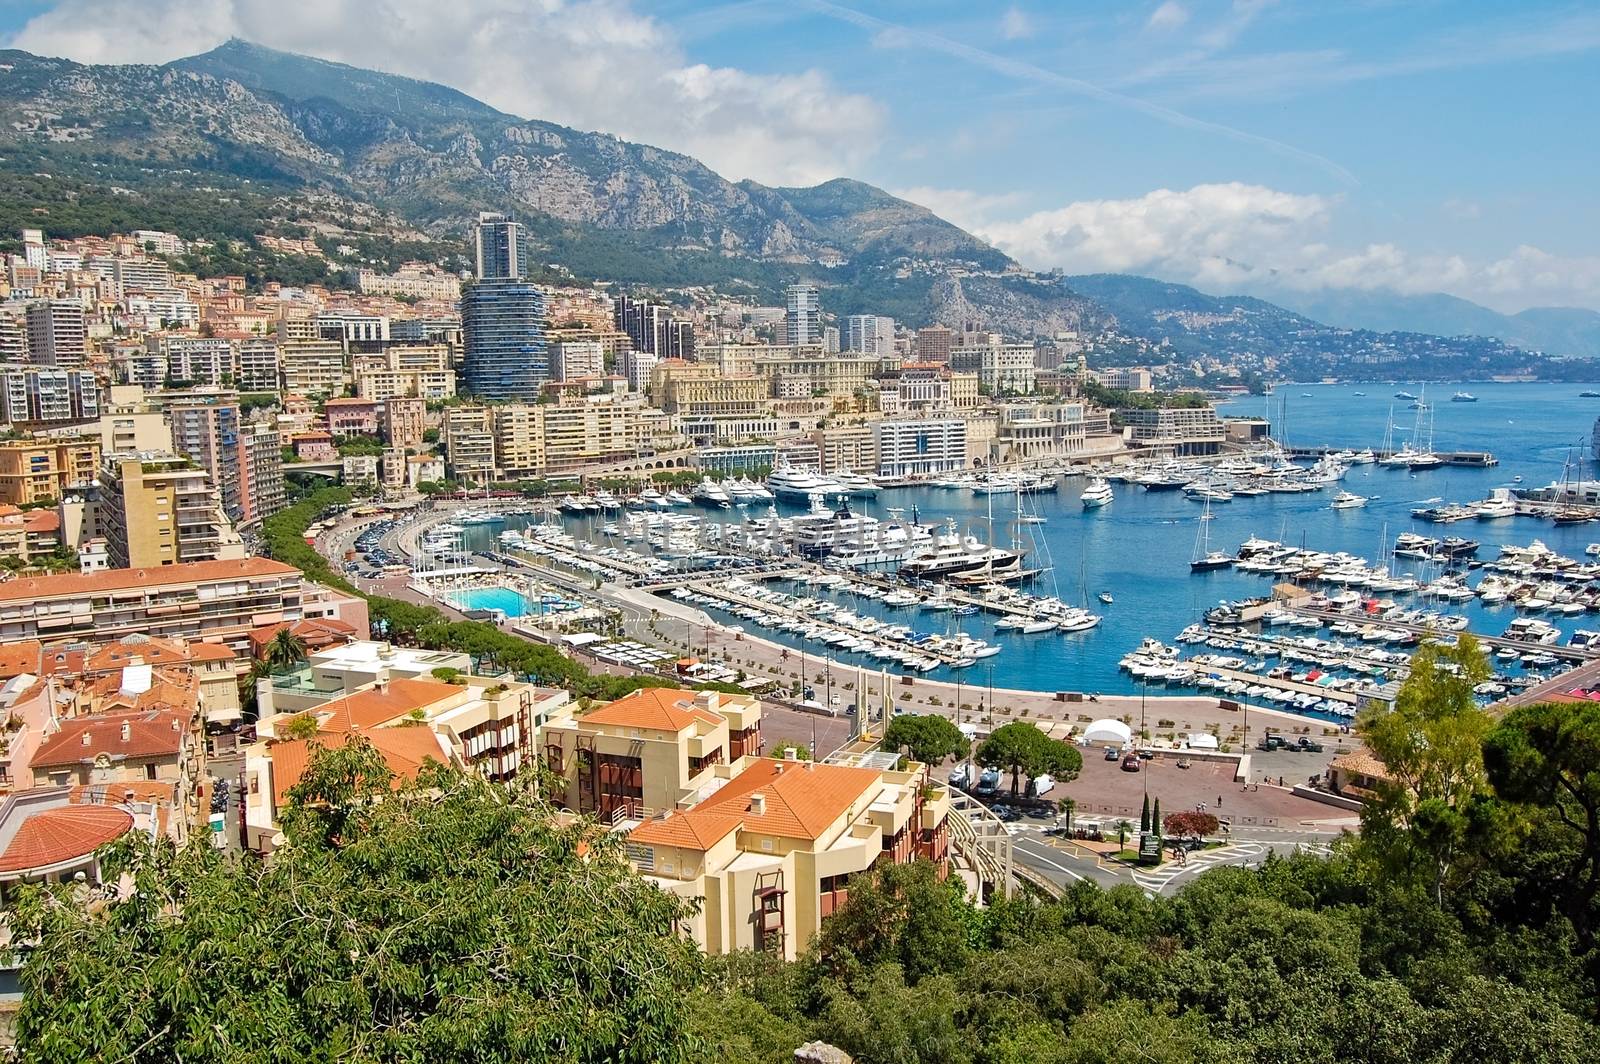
x=454 y=920
x=925 y=737
x=1023 y=750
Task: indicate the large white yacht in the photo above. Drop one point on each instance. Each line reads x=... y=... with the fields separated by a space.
x=787 y=482
x=854 y=484
x=952 y=554
x=709 y=493
x=1098 y=493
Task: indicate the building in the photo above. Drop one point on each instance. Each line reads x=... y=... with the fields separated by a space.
x=497 y=248
x=258 y=369
x=690 y=389
x=351 y=417
x=39 y=397
x=1184 y=431
x=193 y=360
x=846 y=449
x=413 y=280
x=1025 y=431
x=35 y=471
x=869 y=334
x=404 y=422
x=354 y=330
x=58 y=333
x=802 y=318
x=469 y=443
x=313 y=366
x=575 y=359
x=213 y=435
x=55 y=834
x=160 y=509
x=152 y=745
x=1003 y=369
x=934 y=344
x=503 y=327
x=925 y=445
x=1127 y=378
x=261 y=485
x=218 y=602
x=27 y=534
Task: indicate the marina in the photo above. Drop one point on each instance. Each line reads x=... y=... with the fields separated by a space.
x=1126 y=570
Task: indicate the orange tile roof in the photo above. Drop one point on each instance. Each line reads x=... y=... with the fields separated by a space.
x=150 y=734
x=78 y=584
x=372 y=707
x=403 y=749
x=62 y=834
x=210 y=652
x=801 y=801
x=657 y=708
x=148 y=649
x=116 y=793
x=25 y=655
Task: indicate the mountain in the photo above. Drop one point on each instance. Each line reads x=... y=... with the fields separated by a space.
x=1568 y=331
x=1160 y=322
x=431 y=157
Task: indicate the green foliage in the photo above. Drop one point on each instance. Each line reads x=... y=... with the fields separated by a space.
x=451 y=921
x=284 y=651
x=1122 y=399
x=1023 y=750
x=925 y=737
x=359 y=446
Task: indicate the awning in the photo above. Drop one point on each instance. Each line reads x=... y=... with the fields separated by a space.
x=1108 y=731
x=1202 y=741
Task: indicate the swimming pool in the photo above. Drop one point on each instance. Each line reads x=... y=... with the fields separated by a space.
x=504 y=599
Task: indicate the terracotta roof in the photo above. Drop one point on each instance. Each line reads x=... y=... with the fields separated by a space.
x=210 y=652
x=374 y=706
x=51 y=836
x=148 y=649
x=800 y=800
x=77 y=584
x=403 y=749
x=350 y=402
x=116 y=793
x=317 y=632
x=41 y=521
x=657 y=708
x=152 y=733
x=1362 y=764
x=25 y=655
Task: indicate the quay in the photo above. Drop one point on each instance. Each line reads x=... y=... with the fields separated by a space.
x=1474 y=459
x=1575 y=654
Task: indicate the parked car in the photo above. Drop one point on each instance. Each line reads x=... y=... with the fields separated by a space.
x=1310 y=746
x=1113 y=753
x=1130 y=763
x=1273 y=742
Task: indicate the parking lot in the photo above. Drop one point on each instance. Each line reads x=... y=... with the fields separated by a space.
x=1104 y=788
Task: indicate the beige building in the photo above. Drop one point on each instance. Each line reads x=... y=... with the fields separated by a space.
x=128 y=431
x=404 y=422
x=413 y=280
x=33 y=471
x=702 y=389
x=846 y=449
x=318 y=366
x=219 y=602
x=1025 y=431
x=382 y=385
x=160 y=509
x=469 y=443
x=794 y=373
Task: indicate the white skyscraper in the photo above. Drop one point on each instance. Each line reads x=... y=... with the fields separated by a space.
x=804 y=315
x=869 y=333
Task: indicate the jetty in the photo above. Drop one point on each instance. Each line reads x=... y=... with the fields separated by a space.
x=1474 y=459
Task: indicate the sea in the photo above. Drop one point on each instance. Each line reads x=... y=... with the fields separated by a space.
x=1138 y=548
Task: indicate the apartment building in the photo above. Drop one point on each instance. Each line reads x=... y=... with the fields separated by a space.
x=644 y=752
x=152 y=745
x=39 y=397
x=1038 y=430
x=160 y=509
x=351 y=417
x=25 y=535
x=922 y=445
x=1185 y=431
x=262 y=492
x=418 y=371
x=794 y=373
x=519 y=435
x=130 y=430
x=413 y=280
x=846 y=449
x=258 y=368
x=469 y=443
x=58 y=333
x=211 y=435
x=313 y=366
x=34 y=471
x=701 y=389
x=594 y=428
x=934 y=344
x=196 y=360
x=404 y=421
x=575 y=359
x=1127 y=378
x=1002 y=369
x=218 y=602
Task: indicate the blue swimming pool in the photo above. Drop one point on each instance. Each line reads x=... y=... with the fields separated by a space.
x=503 y=599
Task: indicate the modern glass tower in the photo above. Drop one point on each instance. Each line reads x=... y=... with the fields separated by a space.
x=503 y=319
x=803 y=316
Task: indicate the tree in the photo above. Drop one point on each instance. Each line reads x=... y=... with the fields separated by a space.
x=1547 y=756
x=925 y=737
x=454 y=920
x=1155 y=818
x=1023 y=750
x=781 y=750
x=901 y=914
x=284 y=651
x=1431 y=803
x=1144 y=815
x=1190 y=824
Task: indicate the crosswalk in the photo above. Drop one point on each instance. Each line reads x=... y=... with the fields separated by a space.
x=1155 y=880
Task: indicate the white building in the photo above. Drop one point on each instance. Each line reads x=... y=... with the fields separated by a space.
x=572 y=359
x=803 y=314
x=869 y=333
x=926 y=445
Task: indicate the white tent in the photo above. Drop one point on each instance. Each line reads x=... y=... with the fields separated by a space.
x=1202 y=741
x=1108 y=731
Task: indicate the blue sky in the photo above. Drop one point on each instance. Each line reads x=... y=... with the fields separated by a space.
x=1244 y=144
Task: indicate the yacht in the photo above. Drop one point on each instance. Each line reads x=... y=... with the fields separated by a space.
x=1208 y=492
x=1097 y=494
x=1362 y=457
x=652 y=498
x=1405 y=395
x=746 y=490
x=1463 y=397
x=1500 y=503
x=787 y=482
x=1205 y=559
x=1347 y=500
x=855 y=484
x=952 y=554
x=709 y=493
x=675 y=497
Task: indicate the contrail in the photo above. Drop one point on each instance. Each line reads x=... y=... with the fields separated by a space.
x=1029 y=72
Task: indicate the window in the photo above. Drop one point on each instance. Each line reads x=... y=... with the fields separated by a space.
x=643 y=857
x=150 y=771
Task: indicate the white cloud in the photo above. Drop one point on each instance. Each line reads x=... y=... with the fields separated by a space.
x=1169 y=16
x=1015 y=24
x=593 y=64
x=968 y=209
x=1238 y=237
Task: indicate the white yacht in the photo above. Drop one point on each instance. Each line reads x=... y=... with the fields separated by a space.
x=1500 y=503
x=652 y=498
x=1347 y=500
x=1098 y=493
x=855 y=484
x=787 y=482
x=952 y=554
x=675 y=497
x=709 y=493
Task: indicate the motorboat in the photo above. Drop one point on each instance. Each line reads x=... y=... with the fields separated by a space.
x=1105 y=596
x=709 y=493
x=854 y=484
x=1347 y=500
x=1097 y=494
x=787 y=482
x=1463 y=397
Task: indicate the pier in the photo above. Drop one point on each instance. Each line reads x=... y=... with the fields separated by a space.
x=1473 y=459
x=1493 y=642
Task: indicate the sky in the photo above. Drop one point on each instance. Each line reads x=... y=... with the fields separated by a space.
x=1411 y=146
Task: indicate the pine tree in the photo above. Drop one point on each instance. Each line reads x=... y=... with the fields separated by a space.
x=1156 y=819
x=1144 y=816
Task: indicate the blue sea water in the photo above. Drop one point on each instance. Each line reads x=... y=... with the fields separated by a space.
x=1139 y=547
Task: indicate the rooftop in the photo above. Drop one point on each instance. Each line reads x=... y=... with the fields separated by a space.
x=656 y=708
x=405 y=750
x=78 y=584
x=50 y=836
x=799 y=800
x=150 y=733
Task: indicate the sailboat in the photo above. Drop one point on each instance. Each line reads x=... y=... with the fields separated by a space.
x=1205 y=559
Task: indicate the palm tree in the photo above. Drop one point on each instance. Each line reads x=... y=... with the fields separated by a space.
x=285 y=651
